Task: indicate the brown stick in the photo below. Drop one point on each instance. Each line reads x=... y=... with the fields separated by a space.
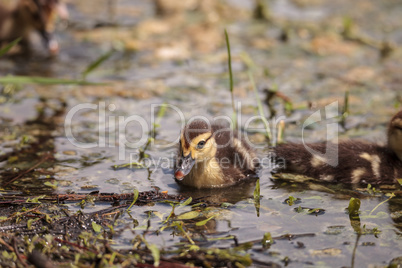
x=19 y=257
x=46 y=157
x=75 y=245
x=4 y=243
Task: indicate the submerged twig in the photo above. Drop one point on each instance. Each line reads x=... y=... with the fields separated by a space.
x=4 y=243
x=16 y=251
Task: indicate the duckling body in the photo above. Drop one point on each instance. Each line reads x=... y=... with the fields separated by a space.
x=212 y=156
x=358 y=162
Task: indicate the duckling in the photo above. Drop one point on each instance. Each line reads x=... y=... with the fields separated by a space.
x=28 y=16
x=358 y=161
x=213 y=156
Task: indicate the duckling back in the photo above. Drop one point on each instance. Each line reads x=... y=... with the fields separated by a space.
x=357 y=161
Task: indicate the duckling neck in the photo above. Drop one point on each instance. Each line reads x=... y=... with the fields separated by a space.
x=398 y=152
x=206 y=174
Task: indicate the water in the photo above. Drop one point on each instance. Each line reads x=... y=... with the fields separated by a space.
x=181 y=61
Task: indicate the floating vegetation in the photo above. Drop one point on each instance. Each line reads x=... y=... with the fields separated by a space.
x=267 y=240
x=354 y=206
x=292 y=200
x=310 y=211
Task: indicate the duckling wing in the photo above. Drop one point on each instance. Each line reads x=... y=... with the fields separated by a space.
x=236 y=159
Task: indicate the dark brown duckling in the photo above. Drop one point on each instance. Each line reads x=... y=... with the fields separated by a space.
x=357 y=161
x=212 y=156
x=28 y=16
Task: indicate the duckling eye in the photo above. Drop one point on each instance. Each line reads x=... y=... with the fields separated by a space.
x=200 y=145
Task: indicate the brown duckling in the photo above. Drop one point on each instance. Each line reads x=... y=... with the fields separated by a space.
x=358 y=161
x=212 y=156
x=28 y=16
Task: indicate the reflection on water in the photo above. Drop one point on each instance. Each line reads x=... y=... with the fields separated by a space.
x=231 y=194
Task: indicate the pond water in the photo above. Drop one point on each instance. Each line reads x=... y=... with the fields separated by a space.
x=180 y=59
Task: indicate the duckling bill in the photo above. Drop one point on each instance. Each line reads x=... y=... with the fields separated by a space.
x=358 y=161
x=212 y=156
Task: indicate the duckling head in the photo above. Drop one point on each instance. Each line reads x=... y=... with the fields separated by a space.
x=395 y=134
x=197 y=144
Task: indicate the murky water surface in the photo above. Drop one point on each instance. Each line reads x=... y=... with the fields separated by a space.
x=181 y=60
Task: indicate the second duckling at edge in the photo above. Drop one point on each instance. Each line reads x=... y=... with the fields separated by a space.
x=28 y=16
x=358 y=161
x=212 y=156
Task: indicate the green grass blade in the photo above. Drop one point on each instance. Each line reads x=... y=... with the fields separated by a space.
x=187 y=202
x=390 y=196
x=155 y=252
x=202 y=223
x=136 y=193
x=231 y=78
x=257 y=197
x=95 y=64
x=259 y=105
x=161 y=113
x=9 y=46
x=229 y=64
x=15 y=79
